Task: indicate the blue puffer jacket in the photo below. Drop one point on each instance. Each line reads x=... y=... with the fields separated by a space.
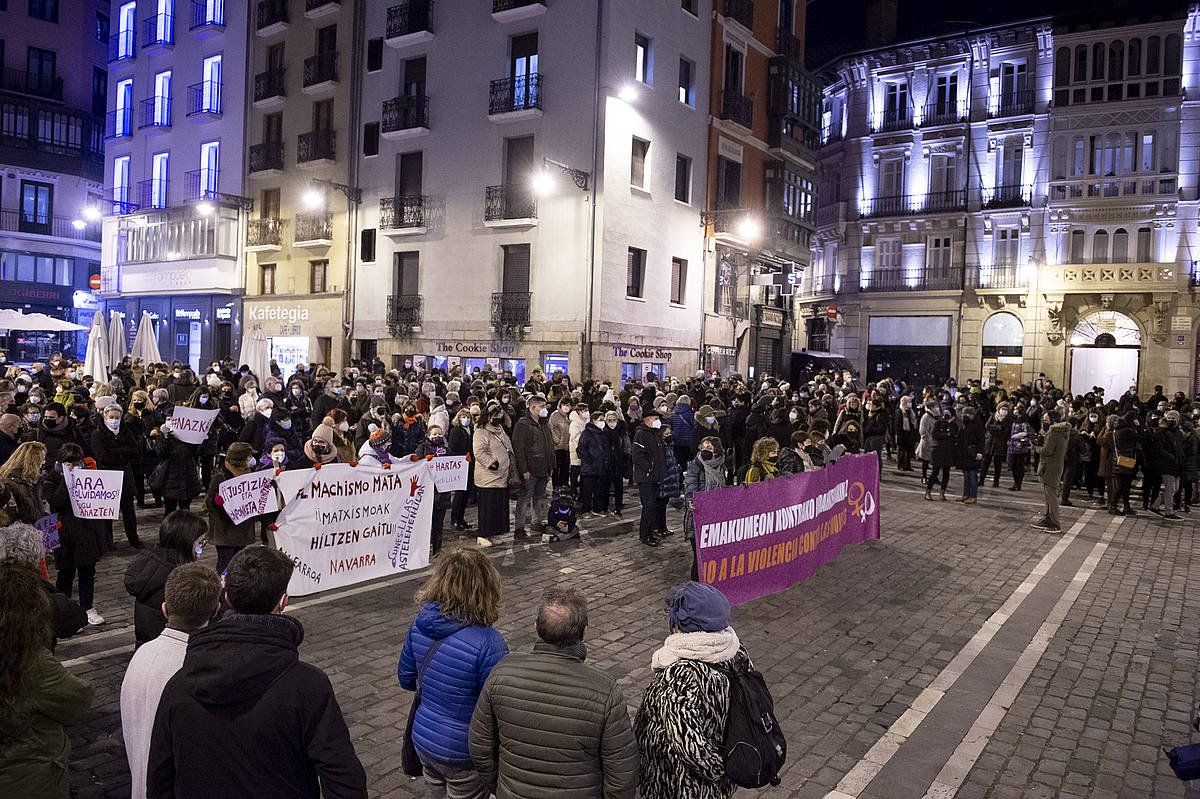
x=450 y=684
x=683 y=422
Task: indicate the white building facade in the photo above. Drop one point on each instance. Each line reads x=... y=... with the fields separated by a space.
x=532 y=178
x=1012 y=201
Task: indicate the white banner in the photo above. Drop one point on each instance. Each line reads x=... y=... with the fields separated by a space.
x=450 y=473
x=249 y=495
x=191 y=425
x=344 y=524
x=95 y=493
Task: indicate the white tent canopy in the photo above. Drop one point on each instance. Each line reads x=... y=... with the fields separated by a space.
x=145 y=343
x=95 y=362
x=11 y=319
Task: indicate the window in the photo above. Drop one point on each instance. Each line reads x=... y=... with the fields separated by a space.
x=891 y=178
x=678 y=281
x=371 y=138
x=1145 y=252
x=1100 y=247
x=635 y=274
x=895 y=102
x=888 y=254
x=266 y=279
x=318 y=271
x=37 y=206
x=99 y=91
x=1009 y=166
x=642 y=64
x=687 y=92
x=64 y=272
x=102 y=27
x=1120 y=246
x=213 y=12
x=937 y=253
x=683 y=178
x=126 y=39
x=374 y=55
x=44 y=9
x=210 y=90
x=210 y=168
x=942 y=180
x=407 y=269
x=1078 y=240
x=1006 y=247
x=121 y=182
x=366 y=246
x=637 y=168
x=729 y=182
x=162 y=98
x=514 y=278
x=688 y=6
x=160 y=171
x=947 y=96
x=41 y=70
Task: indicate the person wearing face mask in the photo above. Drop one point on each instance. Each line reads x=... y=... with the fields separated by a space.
x=183 y=385
x=434 y=446
x=705 y=472
x=458 y=442
x=649 y=467
x=342 y=433
x=55 y=430
x=227 y=537
x=875 y=429
x=10 y=435
x=408 y=432
x=297 y=402
x=560 y=430
x=595 y=467
x=207 y=451
x=181 y=538
x=533 y=451
x=969 y=452
x=248 y=397
x=438 y=415
x=942 y=453
x=905 y=425
x=177 y=474
x=1020 y=445
x=114 y=447
x=616 y=432
x=82 y=542
x=495 y=469
x=31 y=416
x=580 y=419
x=1165 y=452
x=1056 y=432
x=995 y=448
x=255 y=429
x=764 y=461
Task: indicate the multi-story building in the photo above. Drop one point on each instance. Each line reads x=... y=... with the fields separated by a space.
x=52 y=100
x=761 y=180
x=174 y=200
x=1013 y=200
x=533 y=175
x=306 y=64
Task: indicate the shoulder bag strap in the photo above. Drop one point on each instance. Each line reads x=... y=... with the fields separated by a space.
x=425 y=661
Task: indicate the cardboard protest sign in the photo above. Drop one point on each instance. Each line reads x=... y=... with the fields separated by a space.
x=95 y=493
x=450 y=472
x=249 y=495
x=191 y=425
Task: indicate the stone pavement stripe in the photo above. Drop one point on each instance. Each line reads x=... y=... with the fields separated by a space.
x=951 y=777
x=860 y=776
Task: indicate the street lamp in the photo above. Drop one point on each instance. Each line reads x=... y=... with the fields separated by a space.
x=628 y=93
x=749 y=228
x=79 y=224
x=91 y=213
x=543 y=183
x=204 y=208
x=313 y=200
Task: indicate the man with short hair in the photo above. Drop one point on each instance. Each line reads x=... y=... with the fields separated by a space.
x=191 y=597
x=547 y=726
x=245 y=716
x=533 y=451
x=649 y=468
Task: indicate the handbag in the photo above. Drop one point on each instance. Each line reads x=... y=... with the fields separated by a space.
x=158 y=477
x=1126 y=462
x=410 y=763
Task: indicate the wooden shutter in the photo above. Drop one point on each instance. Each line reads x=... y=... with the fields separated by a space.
x=407 y=265
x=516 y=269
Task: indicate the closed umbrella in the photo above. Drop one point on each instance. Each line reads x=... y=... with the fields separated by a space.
x=255 y=354
x=117 y=347
x=145 y=343
x=95 y=362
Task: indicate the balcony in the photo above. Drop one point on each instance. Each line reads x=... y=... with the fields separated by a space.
x=155 y=113
x=48 y=87
x=122 y=47
x=315 y=9
x=272 y=17
x=159 y=32
x=118 y=124
x=918 y=279
x=405 y=117
x=264 y=235
x=153 y=194
x=898 y=205
x=1012 y=104
x=404 y=313
x=513 y=10
x=893 y=119
x=741 y=12
x=508 y=206
x=1014 y=196
x=116 y=201
x=403 y=216
x=266 y=159
x=59 y=227
x=316 y=147
x=208 y=15
x=510 y=311
x=737 y=108
x=790 y=47
x=313 y=230
x=201 y=184
x=515 y=98
x=1119 y=277
x=270 y=89
x=320 y=73
x=409 y=23
x=1112 y=187
x=943 y=113
x=1002 y=276
x=814 y=285
x=942 y=201
x=204 y=100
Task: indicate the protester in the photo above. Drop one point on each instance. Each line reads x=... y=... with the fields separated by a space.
x=181 y=538
x=1055 y=429
x=449 y=651
x=82 y=542
x=595 y=466
x=548 y=726
x=244 y=716
x=944 y=434
x=706 y=472
x=533 y=452
x=115 y=448
x=22 y=473
x=458 y=442
x=190 y=599
x=495 y=471
x=434 y=446
x=649 y=469
x=764 y=457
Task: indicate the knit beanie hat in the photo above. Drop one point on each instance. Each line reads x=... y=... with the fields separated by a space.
x=320 y=447
x=381 y=436
x=238 y=454
x=697 y=607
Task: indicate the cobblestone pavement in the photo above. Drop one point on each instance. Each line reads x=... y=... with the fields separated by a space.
x=965 y=653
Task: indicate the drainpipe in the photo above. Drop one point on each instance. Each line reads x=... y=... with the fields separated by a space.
x=585 y=368
x=352 y=178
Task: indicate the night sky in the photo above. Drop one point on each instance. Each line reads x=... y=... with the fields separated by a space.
x=836 y=27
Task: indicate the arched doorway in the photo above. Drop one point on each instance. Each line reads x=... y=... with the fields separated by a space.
x=1105 y=350
x=1003 y=342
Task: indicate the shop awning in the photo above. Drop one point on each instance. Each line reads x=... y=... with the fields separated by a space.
x=11 y=319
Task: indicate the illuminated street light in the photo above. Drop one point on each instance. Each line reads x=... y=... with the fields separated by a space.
x=204 y=208
x=749 y=229
x=543 y=184
x=628 y=93
x=91 y=213
x=79 y=224
x=313 y=199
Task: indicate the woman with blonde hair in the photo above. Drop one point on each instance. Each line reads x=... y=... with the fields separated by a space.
x=23 y=474
x=448 y=654
x=763 y=461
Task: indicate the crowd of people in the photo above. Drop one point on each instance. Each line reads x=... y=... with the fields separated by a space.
x=545 y=455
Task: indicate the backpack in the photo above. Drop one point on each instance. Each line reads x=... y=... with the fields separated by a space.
x=754 y=748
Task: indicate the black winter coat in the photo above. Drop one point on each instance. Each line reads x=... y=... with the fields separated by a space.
x=68 y=617
x=245 y=716
x=969 y=444
x=998 y=433
x=54 y=437
x=533 y=447
x=649 y=458
x=595 y=452
x=222 y=532
x=145 y=581
x=182 y=478
x=945 y=438
x=82 y=541
x=117 y=450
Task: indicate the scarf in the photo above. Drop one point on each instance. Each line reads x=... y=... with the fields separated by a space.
x=719 y=647
x=714 y=472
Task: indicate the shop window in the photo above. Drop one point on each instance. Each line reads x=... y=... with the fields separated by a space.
x=555 y=362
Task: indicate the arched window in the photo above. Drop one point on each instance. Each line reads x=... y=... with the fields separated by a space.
x=1116 y=60
x=1120 y=246
x=1081 y=63
x=1134 y=58
x=1171 y=54
x=1077 y=244
x=1062 y=66
x=1097 y=61
x=1100 y=247
x=1152 y=52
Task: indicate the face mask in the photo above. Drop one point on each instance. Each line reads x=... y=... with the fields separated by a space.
x=793 y=416
x=251 y=462
x=710 y=419
x=707 y=455
x=504 y=400
x=377 y=394
x=277 y=457
x=204 y=400
x=1093 y=418
x=498 y=418
x=198 y=549
x=465 y=422
x=1001 y=414
x=176 y=373
x=33 y=418
x=296 y=392
x=267 y=413
x=542 y=412
x=112 y=424
x=656 y=423
x=36 y=399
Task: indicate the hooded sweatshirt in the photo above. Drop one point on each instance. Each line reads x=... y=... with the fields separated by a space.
x=246 y=717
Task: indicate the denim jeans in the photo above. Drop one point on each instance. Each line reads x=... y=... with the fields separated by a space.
x=443 y=781
x=970 y=483
x=531 y=498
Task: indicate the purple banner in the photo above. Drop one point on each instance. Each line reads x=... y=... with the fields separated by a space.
x=759 y=539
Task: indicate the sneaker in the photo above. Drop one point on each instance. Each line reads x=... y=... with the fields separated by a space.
x=596 y=514
x=1051 y=528
x=94 y=618
x=1173 y=517
x=1038 y=524
x=549 y=538
x=616 y=514
x=483 y=543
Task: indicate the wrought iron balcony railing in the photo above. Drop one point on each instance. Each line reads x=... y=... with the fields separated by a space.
x=118 y=124
x=155 y=112
x=409 y=17
x=153 y=194
x=1001 y=276
x=942 y=113
x=266 y=155
x=1014 y=104
x=122 y=46
x=316 y=145
x=508 y=202
x=48 y=87
x=399 y=213
x=519 y=93
x=897 y=205
x=313 y=227
x=204 y=98
x=405 y=113
x=919 y=279
x=950 y=200
x=270 y=84
x=510 y=310
x=509 y=5
x=57 y=226
x=264 y=233
x=208 y=14
x=738 y=108
x=159 y=30
x=272 y=12
x=404 y=312
x=201 y=184
x=1013 y=196
x=313 y=5
x=894 y=119
x=321 y=68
